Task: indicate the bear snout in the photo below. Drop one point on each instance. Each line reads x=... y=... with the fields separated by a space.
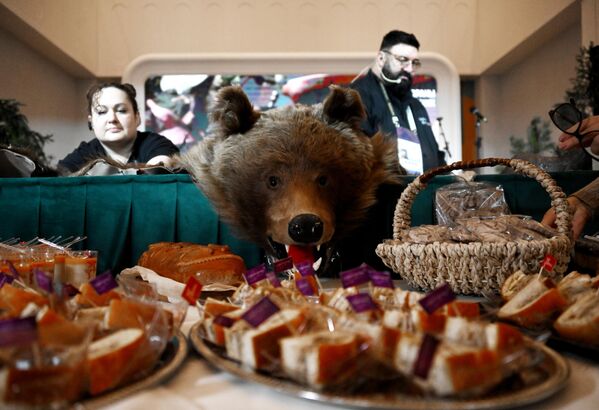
x=306 y=228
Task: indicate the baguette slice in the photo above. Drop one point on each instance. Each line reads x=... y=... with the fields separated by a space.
x=456 y=369
x=14 y=300
x=110 y=359
x=259 y=348
x=499 y=337
x=534 y=305
x=321 y=359
x=55 y=330
x=460 y=370
x=215 y=333
x=337 y=298
x=90 y=298
x=580 y=322
x=514 y=284
x=574 y=285
x=214 y=307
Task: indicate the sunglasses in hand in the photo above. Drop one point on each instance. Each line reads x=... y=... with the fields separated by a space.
x=568 y=119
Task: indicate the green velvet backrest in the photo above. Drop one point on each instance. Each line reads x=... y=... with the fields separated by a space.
x=122 y=215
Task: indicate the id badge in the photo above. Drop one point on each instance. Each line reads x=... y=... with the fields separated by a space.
x=409 y=152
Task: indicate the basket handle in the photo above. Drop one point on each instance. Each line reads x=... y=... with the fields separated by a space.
x=403 y=211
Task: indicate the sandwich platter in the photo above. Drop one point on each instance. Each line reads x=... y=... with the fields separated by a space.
x=546 y=377
x=169 y=362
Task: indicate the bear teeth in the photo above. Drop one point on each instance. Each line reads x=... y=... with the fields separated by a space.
x=317 y=263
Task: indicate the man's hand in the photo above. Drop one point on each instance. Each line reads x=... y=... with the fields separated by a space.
x=581 y=214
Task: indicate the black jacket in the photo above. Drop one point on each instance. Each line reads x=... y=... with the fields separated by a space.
x=147 y=145
x=379 y=118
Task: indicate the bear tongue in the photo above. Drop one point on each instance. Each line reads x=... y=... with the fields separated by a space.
x=301 y=253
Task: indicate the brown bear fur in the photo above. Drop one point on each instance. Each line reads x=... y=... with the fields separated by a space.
x=260 y=170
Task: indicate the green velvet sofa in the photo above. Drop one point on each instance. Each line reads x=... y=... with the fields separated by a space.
x=122 y=215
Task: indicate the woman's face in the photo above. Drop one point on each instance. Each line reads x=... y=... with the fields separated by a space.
x=113 y=120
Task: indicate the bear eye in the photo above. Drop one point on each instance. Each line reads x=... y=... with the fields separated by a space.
x=273 y=181
x=322 y=180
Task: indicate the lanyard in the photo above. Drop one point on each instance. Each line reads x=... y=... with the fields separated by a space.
x=394 y=117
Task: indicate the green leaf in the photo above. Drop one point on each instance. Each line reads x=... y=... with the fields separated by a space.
x=15 y=131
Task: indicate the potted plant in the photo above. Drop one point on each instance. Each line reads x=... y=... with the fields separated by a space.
x=22 y=148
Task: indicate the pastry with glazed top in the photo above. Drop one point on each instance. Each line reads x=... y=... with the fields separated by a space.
x=180 y=260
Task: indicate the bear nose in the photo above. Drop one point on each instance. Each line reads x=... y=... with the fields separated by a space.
x=305 y=228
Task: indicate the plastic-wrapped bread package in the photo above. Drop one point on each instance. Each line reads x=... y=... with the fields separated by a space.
x=466 y=199
x=137 y=334
x=43 y=360
x=92 y=339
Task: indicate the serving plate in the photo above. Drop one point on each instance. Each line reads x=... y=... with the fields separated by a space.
x=170 y=360
x=537 y=383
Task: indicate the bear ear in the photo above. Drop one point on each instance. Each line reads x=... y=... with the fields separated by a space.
x=233 y=111
x=345 y=105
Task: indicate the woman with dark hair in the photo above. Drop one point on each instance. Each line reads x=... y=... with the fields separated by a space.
x=113 y=116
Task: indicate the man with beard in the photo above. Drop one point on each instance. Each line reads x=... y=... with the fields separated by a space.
x=386 y=92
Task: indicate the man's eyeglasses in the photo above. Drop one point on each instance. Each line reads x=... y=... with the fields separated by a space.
x=568 y=119
x=404 y=61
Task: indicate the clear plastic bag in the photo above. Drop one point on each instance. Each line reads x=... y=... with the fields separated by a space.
x=466 y=199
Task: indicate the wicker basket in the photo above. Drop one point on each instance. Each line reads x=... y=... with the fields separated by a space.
x=480 y=267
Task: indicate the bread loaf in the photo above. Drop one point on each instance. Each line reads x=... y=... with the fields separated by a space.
x=180 y=260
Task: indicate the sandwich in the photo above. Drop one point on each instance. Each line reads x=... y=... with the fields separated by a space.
x=580 y=322
x=535 y=305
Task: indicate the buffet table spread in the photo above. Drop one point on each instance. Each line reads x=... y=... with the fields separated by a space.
x=122 y=216
x=198 y=385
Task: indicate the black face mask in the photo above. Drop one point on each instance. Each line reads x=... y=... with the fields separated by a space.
x=401 y=89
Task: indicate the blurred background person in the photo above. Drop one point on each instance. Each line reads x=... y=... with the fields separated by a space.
x=113 y=116
x=386 y=92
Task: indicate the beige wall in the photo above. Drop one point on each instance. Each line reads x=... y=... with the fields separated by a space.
x=106 y=35
x=530 y=88
x=54 y=100
x=523 y=50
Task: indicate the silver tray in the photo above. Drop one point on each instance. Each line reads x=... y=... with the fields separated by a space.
x=550 y=376
x=169 y=362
